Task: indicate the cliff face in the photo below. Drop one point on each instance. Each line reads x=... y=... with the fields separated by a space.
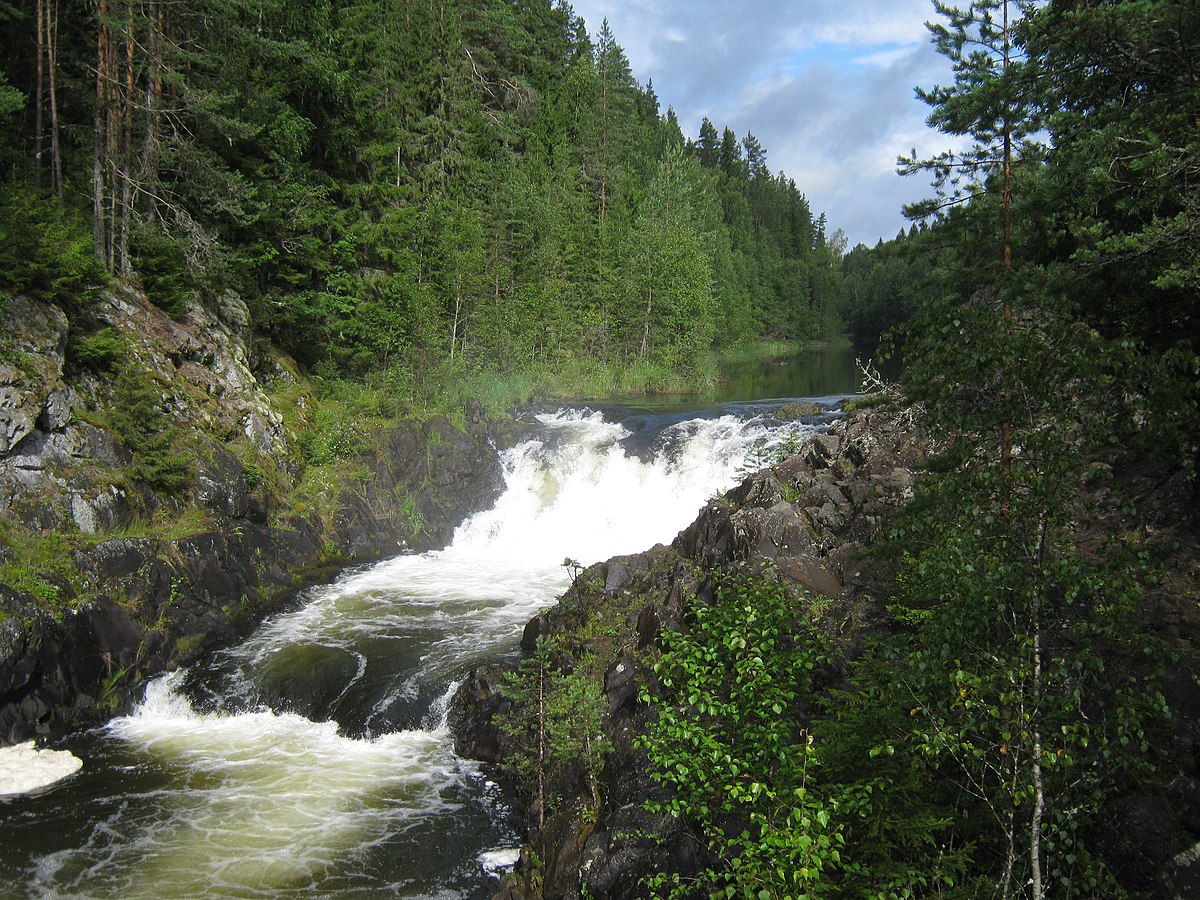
x=154 y=499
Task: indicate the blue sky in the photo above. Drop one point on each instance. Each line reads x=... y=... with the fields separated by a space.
x=825 y=85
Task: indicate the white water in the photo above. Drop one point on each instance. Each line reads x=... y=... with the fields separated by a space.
x=321 y=739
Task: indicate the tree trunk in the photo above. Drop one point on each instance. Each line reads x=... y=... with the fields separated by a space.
x=56 y=175
x=154 y=91
x=1006 y=440
x=100 y=139
x=649 y=307
x=38 y=127
x=125 y=265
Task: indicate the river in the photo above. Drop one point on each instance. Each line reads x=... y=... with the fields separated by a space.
x=314 y=759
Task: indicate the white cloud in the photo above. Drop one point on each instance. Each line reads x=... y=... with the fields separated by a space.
x=883 y=58
x=826 y=89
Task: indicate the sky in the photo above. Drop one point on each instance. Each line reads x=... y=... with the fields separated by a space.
x=825 y=85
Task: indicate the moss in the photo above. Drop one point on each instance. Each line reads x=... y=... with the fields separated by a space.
x=870 y=401
x=188 y=647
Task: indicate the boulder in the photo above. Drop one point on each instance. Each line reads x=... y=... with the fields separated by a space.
x=805 y=409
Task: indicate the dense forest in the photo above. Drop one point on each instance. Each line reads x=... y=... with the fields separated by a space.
x=396 y=186
x=989 y=738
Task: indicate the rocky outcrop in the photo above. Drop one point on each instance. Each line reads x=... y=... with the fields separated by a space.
x=109 y=609
x=807 y=518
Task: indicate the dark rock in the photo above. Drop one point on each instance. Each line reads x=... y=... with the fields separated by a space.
x=535 y=629
x=115 y=559
x=620 y=571
x=636 y=844
x=621 y=684
x=649 y=625
x=821 y=450
x=101 y=640
x=474 y=712
x=221 y=485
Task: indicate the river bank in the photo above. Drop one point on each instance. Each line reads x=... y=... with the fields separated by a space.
x=807 y=518
x=342 y=696
x=594 y=819
x=159 y=498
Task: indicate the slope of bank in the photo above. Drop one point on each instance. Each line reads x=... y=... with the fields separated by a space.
x=594 y=819
x=805 y=519
x=164 y=483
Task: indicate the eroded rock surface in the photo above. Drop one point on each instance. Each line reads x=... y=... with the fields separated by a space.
x=139 y=603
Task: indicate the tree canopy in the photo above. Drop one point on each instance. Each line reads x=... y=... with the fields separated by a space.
x=405 y=182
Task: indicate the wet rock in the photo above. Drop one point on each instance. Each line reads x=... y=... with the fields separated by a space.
x=804 y=409
x=101 y=641
x=535 y=629
x=620 y=571
x=475 y=712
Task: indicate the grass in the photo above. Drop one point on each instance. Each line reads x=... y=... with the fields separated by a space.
x=40 y=565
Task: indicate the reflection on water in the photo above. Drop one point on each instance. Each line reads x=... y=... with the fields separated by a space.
x=818 y=372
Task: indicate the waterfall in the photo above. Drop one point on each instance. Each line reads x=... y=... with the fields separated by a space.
x=314 y=759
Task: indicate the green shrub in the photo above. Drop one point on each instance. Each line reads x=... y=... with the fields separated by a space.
x=45 y=251
x=162 y=266
x=728 y=740
x=143 y=427
x=102 y=351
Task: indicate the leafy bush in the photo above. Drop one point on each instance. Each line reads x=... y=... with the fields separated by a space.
x=728 y=740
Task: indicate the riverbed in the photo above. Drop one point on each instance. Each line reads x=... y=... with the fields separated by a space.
x=315 y=758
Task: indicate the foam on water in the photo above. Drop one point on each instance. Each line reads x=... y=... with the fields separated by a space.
x=25 y=768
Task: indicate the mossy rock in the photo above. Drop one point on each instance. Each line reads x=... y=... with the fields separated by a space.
x=804 y=409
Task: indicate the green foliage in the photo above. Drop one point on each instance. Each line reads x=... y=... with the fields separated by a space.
x=474 y=187
x=729 y=743
x=411 y=511
x=147 y=430
x=11 y=99
x=39 y=565
x=101 y=351
x=162 y=267
x=45 y=251
x=555 y=723
x=346 y=412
